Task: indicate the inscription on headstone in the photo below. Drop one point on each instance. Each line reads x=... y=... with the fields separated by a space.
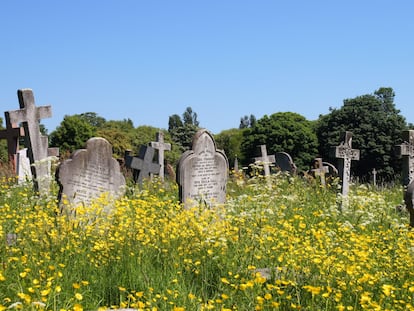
x=202 y=172
x=90 y=173
x=35 y=143
x=346 y=154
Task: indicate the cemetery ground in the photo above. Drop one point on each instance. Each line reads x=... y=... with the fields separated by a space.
x=281 y=247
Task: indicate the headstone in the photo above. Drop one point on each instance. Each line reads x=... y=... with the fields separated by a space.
x=346 y=154
x=11 y=134
x=406 y=151
x=265 y=160
x=161 y=146
x=24 y=172
x=36 y=144
x=320 y=170
x=374 y=177
x=332 y=170
x=285 y=163
x=89 y=173
x=143 y=164
x=202 y=172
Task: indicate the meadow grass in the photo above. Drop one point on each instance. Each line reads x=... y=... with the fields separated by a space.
x=281 y=247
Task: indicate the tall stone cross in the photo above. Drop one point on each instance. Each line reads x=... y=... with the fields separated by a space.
x=36 y=144
x=161 y=146
x=406 y=151
x=143 y=163
x=346 y=154
x=265 y=159
x=11 y=134
x=320 y=170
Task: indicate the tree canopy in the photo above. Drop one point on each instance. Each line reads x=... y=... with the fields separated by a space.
x=376 y=125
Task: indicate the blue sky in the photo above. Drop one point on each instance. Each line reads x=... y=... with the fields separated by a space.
x=147 y=60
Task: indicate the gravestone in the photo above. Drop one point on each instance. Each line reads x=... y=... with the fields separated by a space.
x=345 y=154
x=285 y=163
x=35 y=143
x=12 y=134
x=265 y=160
x=406 y=151
x=142 y=165
x=161 y=146
x=23 y=169
x=202 y=172
x=332 y=170
x=374 y=177
x=89 y=173
x=320 y=170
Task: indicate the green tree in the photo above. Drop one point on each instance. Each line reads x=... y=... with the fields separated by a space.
x=246 y=121
x=282 y=132
x=72 y=134
x=182 y=130
x=93 y=119
x=376 y=125
x=4 y=158
x=230 y=141
x=119 y=134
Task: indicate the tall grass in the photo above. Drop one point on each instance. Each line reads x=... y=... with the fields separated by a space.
x=281 y=247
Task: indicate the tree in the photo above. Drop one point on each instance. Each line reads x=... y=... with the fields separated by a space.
x=72 y=134
x=119 y=134
x=182 y=130
x=230 y=141
x=282 y=132
x=376 y=125
x=246 y=122
x=93 y=119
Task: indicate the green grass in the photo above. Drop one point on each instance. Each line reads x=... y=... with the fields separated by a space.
x=150 y=254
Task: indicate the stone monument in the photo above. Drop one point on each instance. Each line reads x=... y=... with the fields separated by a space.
x=161 y=146
x=285 y=163
x=202 y=172
x=265 y=160
x=142 y=164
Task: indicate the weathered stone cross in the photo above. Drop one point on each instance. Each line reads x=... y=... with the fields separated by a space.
x=265 y=159
x=11 y=134
x=346 y=154
x=320 y=170
x=143 y=163
x=406 y=151
x=161 y=147
x=36 y=144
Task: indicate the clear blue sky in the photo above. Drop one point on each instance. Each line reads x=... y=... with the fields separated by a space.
x=147 y=60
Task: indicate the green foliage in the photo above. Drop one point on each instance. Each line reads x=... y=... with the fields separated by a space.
x=72 y=134
x=247 y=121
x=230 y=142
x=282 y=132
x=119 y=134
x=182 y=131
x=376 y=125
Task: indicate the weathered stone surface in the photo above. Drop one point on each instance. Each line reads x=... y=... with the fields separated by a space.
x=285 y=163
x=142 y=165
x=89 y=173
x=265 y=160
x=202 y=172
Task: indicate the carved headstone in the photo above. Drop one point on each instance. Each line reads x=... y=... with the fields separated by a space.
x=285 y=163
x=89 y=173
x=346 y=154
x=36 y=144
x=24 y=172
x=142 y=165
x=265 y=160
x=406 y=151
x=161 y=146
x=202 y=172
x=320 y=170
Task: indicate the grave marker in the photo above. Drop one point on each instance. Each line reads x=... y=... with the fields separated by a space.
x=406 y=151
x=161 y=146
x=142 y=164
x=11 y=134
x=23 y=169
x=285 y=163
x=202 y=172
x=320 y=170
x=374 y=177
x=265 y=159
x=36 y=144
x=346 y=154
x=90 y=173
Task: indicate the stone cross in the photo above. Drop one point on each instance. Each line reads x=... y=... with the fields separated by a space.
x=265 y=159
x=143 y=163
x=161 y=147
x=11 y=134
x=36 y=144
x=346 y=154
x=406 y=151
x=320 y=170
